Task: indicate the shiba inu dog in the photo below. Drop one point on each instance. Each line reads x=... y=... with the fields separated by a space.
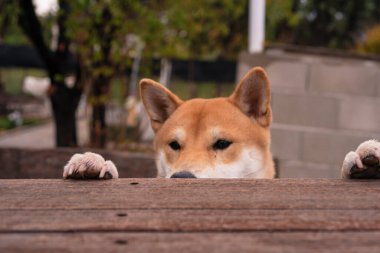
x=226 y=137
x=203 y=138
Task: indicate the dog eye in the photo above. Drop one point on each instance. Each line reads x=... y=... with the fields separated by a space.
x=221 y=144
x=175 y=145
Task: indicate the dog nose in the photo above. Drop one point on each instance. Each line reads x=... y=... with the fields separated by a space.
x=183 y=174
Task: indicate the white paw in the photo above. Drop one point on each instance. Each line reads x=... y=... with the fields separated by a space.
x=89 y=165
x=363 y=161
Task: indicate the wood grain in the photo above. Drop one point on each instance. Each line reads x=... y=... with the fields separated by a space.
x=189 y=215
x=192 y=242
x=179 y=220
x=48 y=163
x=189 y=194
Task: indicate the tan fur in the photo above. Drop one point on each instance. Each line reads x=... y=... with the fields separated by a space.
x=243 y=118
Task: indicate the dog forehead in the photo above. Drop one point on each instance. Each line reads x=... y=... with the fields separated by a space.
x=215 y=109
x=206 y=115
x=207 y=112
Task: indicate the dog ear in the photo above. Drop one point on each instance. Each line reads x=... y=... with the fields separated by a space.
x=252 y=96
x=158 y=101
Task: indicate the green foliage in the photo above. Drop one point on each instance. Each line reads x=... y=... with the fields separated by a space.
x=181 y=29
x=10 y=32
x=118 y=90
x=176 y=29
x=190 y=29
x=99 y=31
x=334 y=24
x=279 y=15
x=5 y=123
x=330 y=23
x=207 y=29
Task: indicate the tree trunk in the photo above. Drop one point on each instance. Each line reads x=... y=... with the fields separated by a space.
x=105 y=30
x=64 y=103
x=98 y=126
x=65 y=126
x=98 y=131
x=64 y=100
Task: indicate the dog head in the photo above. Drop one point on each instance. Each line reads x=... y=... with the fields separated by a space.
x=225 y=137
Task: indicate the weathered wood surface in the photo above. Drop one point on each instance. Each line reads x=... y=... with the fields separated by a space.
x=189 y=194
x=48 y=163
x=148 y=215
x=319 y=242
x=171 y=220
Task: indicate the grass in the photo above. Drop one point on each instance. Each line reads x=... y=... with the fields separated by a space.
x=204 y=89
x=180 y=87
x=6 y=124
x=118 y=89
x=12 y=78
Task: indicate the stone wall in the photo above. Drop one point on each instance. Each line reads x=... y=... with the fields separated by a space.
x=323 y=107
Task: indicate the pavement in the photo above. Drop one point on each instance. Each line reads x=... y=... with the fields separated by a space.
x=40 y=137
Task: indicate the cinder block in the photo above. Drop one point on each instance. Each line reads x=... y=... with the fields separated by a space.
x=248 y=61
x=305 y=110
x=329 y=148
x=287 y=74
x=360 y=114
x=347 y=79
x=297 y=169
x=242 y=69
x=285 y=144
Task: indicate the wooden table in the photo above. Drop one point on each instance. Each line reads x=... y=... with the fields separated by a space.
x=167 y=215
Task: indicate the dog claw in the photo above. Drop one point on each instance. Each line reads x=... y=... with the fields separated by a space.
x=370 y=172
x=370 y=160
x=107 y=175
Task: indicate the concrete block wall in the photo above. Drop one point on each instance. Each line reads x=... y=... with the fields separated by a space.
x=323 y=107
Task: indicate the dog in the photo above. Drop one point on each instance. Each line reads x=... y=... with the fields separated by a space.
x=225 y=137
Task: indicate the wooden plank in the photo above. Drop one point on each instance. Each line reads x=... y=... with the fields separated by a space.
x=192 y=242
x=174 y=220
x=189 y=194
x=48 y=163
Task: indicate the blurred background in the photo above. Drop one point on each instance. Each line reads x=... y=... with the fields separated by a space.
x=69 y=72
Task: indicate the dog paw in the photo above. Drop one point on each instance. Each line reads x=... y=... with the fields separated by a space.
x=89 y=166
x=364 y=163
